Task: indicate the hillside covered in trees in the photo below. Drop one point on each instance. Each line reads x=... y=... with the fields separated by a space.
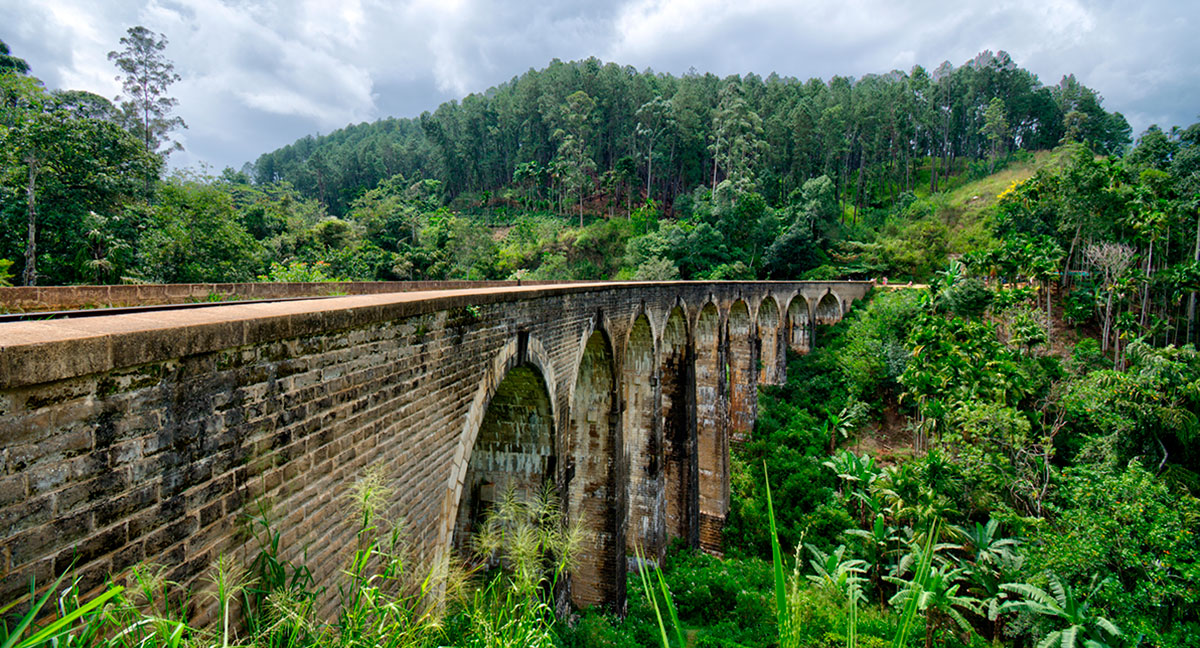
x=588 y=131
x=1005 y=455
x=581 y=170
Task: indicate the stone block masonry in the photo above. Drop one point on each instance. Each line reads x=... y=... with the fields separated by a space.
x=150 y=437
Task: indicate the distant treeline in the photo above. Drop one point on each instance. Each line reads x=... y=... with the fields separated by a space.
x=574 y=130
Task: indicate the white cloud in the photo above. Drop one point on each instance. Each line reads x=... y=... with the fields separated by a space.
x=261 y=73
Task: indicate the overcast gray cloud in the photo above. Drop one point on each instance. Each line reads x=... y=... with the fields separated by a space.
x=257 y=74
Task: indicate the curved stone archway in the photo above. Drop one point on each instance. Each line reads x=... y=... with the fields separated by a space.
x=594 y=499
x=643 y=452
x=523 y=350
x=712 y=445
x=799 y=328
x=743 y=381
x=514 y=450
x=828 y=310
x=678 y=428
x=771 y=359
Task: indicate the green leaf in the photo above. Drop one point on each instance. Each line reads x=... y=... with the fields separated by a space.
x=777 y=564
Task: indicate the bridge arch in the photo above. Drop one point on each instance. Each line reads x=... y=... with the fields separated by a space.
x=799 y=326
x=643 y=452
x=324 y=388
x=594 y=498
x=520 y=383
x=743 y=381
x=828 y=309
x=771 y=366
x=677 y=416
x=712 y=446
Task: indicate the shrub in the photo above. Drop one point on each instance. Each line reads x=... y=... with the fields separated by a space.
x=1125 y=524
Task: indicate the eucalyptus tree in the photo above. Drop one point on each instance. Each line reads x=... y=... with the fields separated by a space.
x=573 y=163
x=995 y=128
x=737 y=143
x=146 y=75
x=655 y=118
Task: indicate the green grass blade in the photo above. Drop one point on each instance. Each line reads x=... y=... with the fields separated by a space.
x=15 y=635
x=64 y=623
x=662 y=582
x=662 y=628
x=777 y=564
x=918 y=587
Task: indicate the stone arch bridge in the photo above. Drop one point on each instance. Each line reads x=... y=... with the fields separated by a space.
x=146 y=436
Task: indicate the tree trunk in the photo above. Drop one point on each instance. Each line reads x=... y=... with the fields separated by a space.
x=716 y=153
x=1107 y=321
x=1117 y=362
x=1192 y=299
x=1146 y=287
x=30 y=274
x=1049 y=322
x=1070 y=254
x=858 y=190
x=650 y=171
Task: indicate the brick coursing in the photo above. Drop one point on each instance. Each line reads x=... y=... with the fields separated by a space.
x=151 y=438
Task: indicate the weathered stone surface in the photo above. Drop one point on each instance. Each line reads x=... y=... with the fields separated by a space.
x=148 y=437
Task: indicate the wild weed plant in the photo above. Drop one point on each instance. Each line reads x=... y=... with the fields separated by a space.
x=387 y=595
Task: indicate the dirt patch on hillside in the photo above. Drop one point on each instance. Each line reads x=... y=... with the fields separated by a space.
x=888 y=438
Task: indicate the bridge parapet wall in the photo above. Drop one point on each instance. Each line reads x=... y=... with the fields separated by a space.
x=147 y=437
x=47 y=298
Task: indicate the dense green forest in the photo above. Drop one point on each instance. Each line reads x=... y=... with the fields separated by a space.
x=658 y=136
x=580 y=170
x=1004 y=453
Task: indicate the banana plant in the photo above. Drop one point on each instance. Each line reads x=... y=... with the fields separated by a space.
x=883 y=540
x=842 y=577
x=1062 y=606
x=991 y=561
x=858 y=474
x=937 y=595
x=984 y=544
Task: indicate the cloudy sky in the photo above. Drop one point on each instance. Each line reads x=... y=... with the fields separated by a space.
x=258 y=74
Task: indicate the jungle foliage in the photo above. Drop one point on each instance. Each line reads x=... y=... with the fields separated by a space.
x=1004 y=453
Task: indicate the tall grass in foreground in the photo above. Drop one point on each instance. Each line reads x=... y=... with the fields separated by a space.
x=843 y=576
x=534 y=547
x=386 y=595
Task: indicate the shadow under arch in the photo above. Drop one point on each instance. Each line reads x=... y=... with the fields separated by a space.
x=771 y=359
x=519 y=381
x=798 y=325
x=643 y=451
x=743 y=383
x=828 y=310
x=712 y=443
x=677 y=384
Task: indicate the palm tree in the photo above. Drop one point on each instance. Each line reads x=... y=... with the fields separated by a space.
x=990 y=560
x=882 y=538
x=841 y=577
x=939 y=598
x=1061 y=604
